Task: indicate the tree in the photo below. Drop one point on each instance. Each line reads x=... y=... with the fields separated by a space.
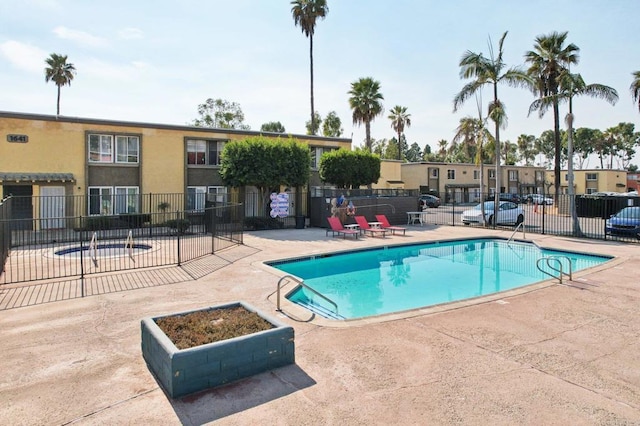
x=60 y=72
x=635 y=88
x=399 y=120
x=545 y=145
x=349 y=169
x=548 y=62
x=489 y=72
x=220 y=114
x=313 y=125
x=413 y=153
x=584 y=144
x=332 y=126
x=265 y=163
x=466 y=136
x=273 y=127
x=365 y=103
x=305 y=14
x=526 y=148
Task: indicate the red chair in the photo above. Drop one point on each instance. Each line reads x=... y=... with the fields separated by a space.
x=338 y=228
x=386 y=225
x=365 y=227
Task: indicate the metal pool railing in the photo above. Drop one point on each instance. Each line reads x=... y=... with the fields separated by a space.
x=98 y=244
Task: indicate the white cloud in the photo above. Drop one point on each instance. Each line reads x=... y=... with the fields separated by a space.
x=79 y=37
x=23 y=56
x=130 y=33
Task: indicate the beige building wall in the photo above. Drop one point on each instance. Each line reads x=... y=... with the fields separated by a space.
x=390 y=175
x=462 y=181
x=588 y=181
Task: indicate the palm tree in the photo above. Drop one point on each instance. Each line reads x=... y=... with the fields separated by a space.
x=305 y=13
x=365 y=103
x=548 y=61
x=635 y=88
x=60 y=72
x=489 y=71
x=399 y=120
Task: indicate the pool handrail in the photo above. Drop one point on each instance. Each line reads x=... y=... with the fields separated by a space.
x=521 y=224
x=559 y=270
x=301 y=283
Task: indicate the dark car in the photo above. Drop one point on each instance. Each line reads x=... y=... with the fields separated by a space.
x=625 y=223
x=514 y=198
x=427 y=200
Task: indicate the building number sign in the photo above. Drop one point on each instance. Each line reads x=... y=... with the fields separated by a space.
x=18 y=138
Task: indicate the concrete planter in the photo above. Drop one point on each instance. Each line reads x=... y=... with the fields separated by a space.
x=183 y=371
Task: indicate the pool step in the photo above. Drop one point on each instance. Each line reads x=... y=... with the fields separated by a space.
x=319 y=309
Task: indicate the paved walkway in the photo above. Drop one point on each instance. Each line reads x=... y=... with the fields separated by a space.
x=548 y=354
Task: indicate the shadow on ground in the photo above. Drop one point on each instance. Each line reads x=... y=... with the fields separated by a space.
x=220 y=402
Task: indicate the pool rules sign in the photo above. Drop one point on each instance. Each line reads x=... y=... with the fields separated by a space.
x=279 y=204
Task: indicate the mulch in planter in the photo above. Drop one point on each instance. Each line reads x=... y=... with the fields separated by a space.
x=208 y=326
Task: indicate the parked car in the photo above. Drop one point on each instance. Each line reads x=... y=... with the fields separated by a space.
x=514 y=198
x=625 y=223
x=538 y=199
x=508 y=214
x=427 y=200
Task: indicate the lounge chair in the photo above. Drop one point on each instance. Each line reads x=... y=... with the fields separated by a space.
x=386 y=225
x=365 y=227
x=339 y=229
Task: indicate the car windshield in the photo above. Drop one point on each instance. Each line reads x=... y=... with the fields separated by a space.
x=487 y=206
x=629 y=213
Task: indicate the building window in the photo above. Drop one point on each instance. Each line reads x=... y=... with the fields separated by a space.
x=195 y=197
x=127 y=149
x=196 y=152
x=591 y=190
x=476 y=174
x=434 y=173
x=101 y=149
x=592 y=176
x=126 y=199
x=217 y=193
x=539 y=176
x=513 y=175
x=451 y=174
x=100 y=201
x=316 y=154
x=108 y=200
x=202 y=152
x=492 y=173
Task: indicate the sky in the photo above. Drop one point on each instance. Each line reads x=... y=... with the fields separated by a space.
x=157 y=61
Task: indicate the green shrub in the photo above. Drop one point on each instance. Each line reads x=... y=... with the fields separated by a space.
x=98 y=223
x=181 y=225
x=260 y=223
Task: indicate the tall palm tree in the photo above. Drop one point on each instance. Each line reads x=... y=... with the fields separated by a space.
x=467 y=134
x=60 y=72
x=365 y=103
x=305 y=13
x=549 y=60
x=399 y=120
x=570 y=85
x=489 y=72
x=635 y=88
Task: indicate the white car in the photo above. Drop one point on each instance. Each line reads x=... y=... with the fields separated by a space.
x=539 y=199
x=508 y=214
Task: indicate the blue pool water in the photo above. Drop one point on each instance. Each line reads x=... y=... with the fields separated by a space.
x=391 y=279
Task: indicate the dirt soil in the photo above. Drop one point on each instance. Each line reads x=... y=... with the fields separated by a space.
x=202 y=327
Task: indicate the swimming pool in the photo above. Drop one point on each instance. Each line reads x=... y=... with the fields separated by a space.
x=397 y=278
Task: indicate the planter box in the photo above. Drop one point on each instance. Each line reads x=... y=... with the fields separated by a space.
x=183 y=371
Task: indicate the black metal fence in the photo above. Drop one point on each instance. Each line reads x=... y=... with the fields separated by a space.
x=31 y=250
x=593 y=216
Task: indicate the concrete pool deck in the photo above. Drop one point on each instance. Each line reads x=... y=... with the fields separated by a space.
x=552 y=354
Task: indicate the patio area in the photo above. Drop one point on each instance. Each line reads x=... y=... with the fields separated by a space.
x=545 y=354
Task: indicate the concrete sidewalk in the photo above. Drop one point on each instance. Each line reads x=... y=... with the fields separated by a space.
x=547 y=354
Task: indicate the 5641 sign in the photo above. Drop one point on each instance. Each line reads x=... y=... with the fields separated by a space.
x=18 y=138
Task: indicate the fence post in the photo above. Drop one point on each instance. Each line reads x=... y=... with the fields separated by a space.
x=178 y=234
x=82 y=235
x=543 y=213
x=453 y=211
